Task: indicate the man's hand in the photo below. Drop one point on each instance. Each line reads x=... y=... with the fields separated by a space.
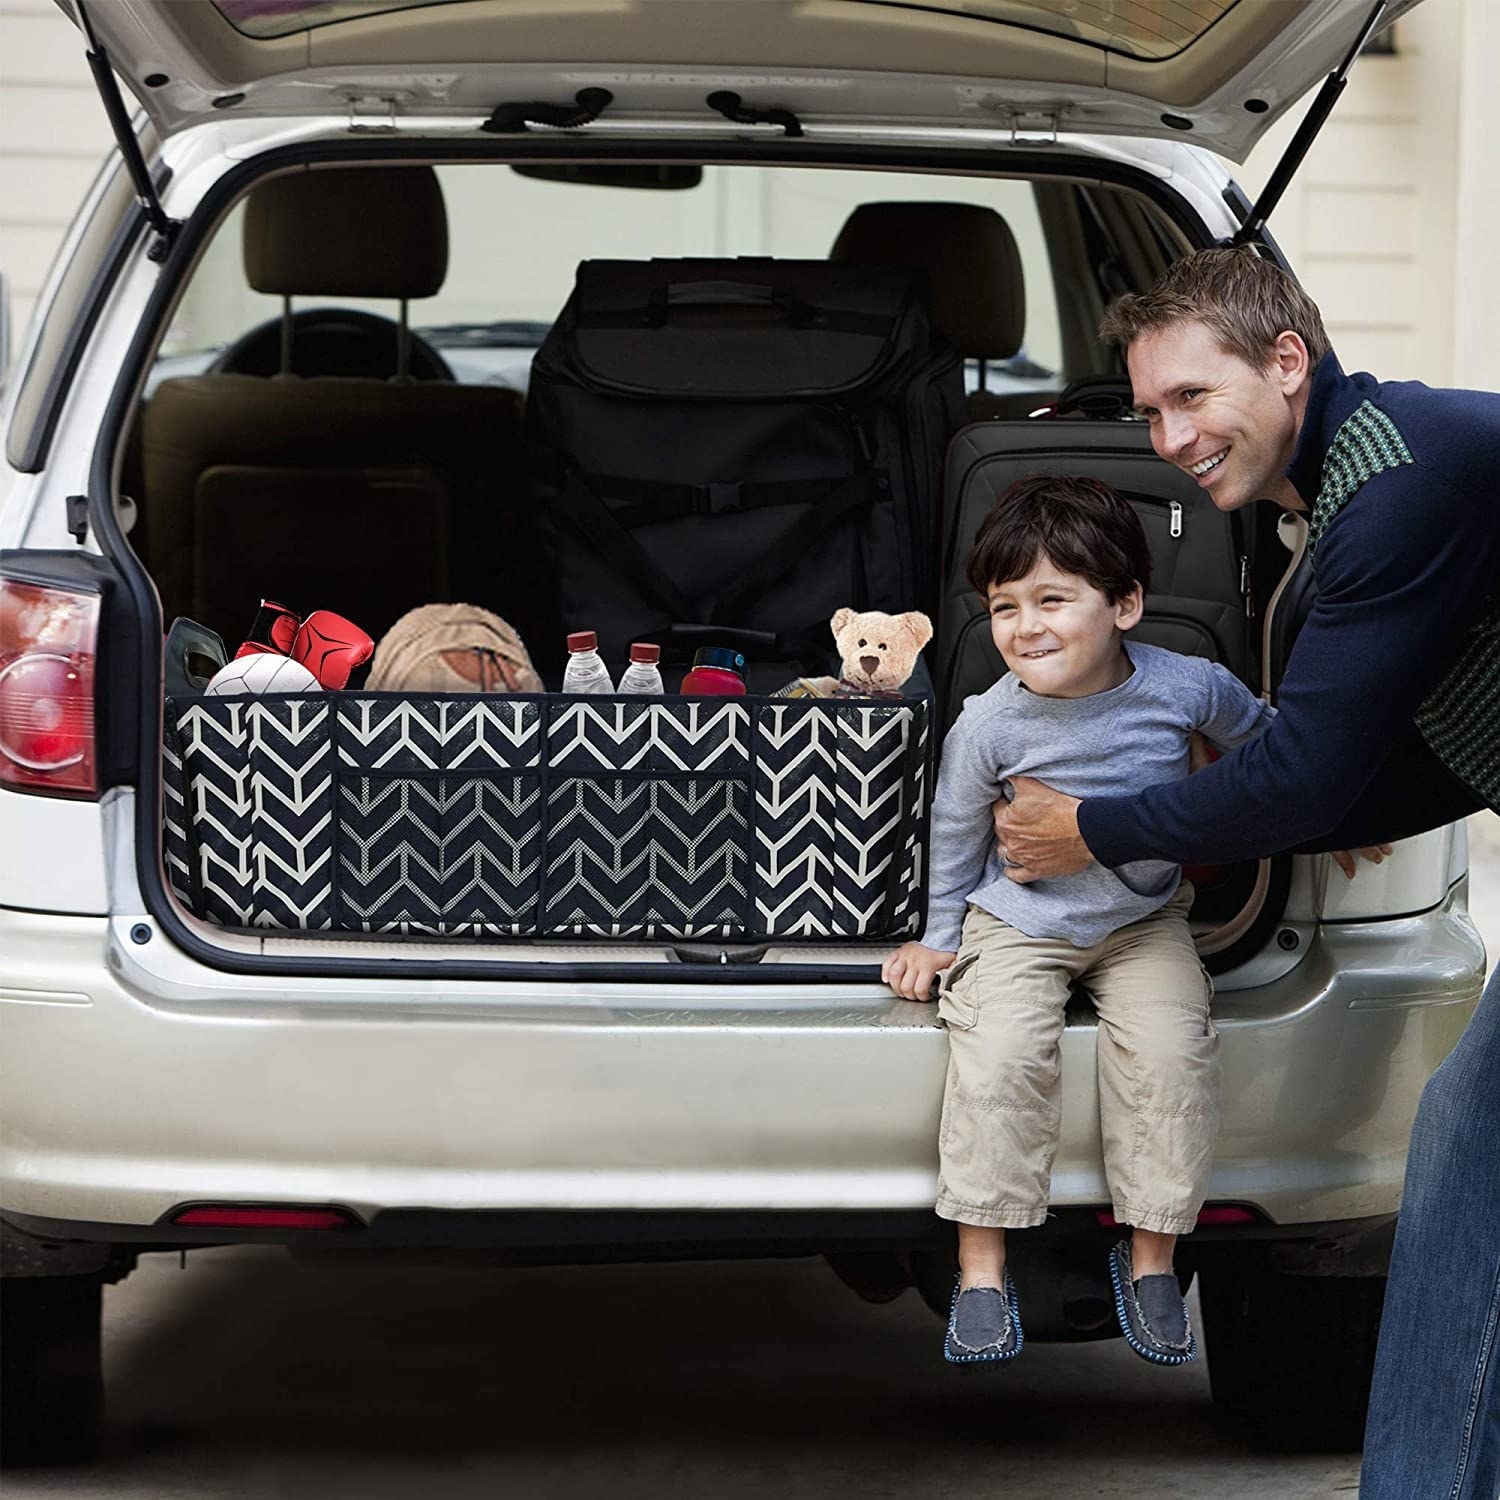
x=1201 y=754
x=1345 y=858
x=1037 y=833
x=911 y=969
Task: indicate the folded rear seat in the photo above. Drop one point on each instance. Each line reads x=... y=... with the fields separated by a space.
x=1198 y=600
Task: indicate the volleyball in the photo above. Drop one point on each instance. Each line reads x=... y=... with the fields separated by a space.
x=265 y=672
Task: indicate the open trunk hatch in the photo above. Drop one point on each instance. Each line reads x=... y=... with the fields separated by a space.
x=1217 y=72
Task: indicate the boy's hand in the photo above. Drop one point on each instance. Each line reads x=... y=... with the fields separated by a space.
x=1345 y=858
x=911 y=969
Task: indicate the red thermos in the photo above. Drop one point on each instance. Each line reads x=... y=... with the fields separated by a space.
x=716 y=669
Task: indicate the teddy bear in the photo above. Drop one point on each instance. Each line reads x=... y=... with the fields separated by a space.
x=879 y=652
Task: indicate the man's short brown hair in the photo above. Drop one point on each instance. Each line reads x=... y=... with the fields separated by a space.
x=1080 y=525
x=1244 y=301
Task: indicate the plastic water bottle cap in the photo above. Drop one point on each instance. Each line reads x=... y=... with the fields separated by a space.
x=646 y=653
x=583 y=640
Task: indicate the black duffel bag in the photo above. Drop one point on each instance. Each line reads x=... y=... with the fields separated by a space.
x=740 y=444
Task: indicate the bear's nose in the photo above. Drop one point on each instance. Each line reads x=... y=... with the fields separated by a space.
x=869 y=663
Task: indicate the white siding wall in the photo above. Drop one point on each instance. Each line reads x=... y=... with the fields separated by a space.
x=1476 y=355
x=1371 y=218
x=53 y=135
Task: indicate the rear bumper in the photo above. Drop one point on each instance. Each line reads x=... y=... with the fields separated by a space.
x=123 y=1104
x=528 y=1236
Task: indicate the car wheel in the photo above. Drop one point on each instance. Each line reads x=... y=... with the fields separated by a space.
x=51 y=1387
x=1290 y=1357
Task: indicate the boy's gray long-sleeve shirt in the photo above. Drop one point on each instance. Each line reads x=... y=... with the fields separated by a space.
x=1133 y=736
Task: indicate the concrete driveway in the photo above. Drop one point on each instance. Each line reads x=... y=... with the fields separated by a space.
x=249 y=1376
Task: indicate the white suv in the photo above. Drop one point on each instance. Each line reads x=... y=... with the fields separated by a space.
x=178 y=1078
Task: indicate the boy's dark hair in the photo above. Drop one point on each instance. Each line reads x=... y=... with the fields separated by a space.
x=1080 y=524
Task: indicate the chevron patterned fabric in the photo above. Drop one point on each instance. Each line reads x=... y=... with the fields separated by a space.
x=739 y=819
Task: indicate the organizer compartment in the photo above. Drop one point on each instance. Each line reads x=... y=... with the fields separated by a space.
x=740 y=819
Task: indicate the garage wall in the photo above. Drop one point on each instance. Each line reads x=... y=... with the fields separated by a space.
x=1370 y=222
x=1476 y=291
x=53 y=136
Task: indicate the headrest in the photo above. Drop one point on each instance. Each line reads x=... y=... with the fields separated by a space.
x=347 y=232
x=972 y=264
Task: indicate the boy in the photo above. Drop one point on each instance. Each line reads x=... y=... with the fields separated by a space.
x=1063 y=564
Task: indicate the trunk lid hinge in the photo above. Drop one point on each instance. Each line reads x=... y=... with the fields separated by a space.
x=165 y=229
x=372 y=112
x=1307 y=133
x=1033 y=127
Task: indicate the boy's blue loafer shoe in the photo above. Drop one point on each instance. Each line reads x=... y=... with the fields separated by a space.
x=1153 y=1317
x=984 y=1325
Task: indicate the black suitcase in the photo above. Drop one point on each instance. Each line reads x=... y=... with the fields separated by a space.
x=1199 y=600
x=742 y=446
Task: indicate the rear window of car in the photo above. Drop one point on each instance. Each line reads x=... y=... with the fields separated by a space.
x=1147 y=29
x=515 y=244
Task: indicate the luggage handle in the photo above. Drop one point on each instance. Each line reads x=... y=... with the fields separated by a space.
x=798 y=646
x=743 y=639
x=755 y=294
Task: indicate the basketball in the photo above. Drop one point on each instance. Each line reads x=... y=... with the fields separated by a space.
x=264 y=672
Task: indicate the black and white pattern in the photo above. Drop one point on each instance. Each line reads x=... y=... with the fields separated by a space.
x=738 y=819
x=434 y=835
x=837 y=794
x=256 y=790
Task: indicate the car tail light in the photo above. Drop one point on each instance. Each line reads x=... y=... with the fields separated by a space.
x=260 y=1216
x=48 y=638
x=1211 y=1214
x=1228 y=1213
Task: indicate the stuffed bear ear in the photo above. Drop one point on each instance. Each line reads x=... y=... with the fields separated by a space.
x=841 y=617
x=918 y=627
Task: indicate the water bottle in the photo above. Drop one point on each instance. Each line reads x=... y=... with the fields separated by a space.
x=585 y=672
x=643 y=675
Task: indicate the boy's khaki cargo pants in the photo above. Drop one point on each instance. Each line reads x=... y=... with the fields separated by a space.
x=1003 y=999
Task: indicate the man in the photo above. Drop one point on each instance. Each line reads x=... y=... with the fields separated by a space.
x=1389 y=724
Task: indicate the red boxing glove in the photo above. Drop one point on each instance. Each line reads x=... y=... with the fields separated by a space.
x=275 y=629
x=331 y=647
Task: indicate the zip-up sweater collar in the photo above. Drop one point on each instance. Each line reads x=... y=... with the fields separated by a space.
x=1332 y=400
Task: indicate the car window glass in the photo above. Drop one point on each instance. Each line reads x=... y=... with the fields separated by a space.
x=64 y=306
x=515 y=244
x=1150 y=29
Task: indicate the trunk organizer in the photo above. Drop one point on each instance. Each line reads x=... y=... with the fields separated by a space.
x=727 y=818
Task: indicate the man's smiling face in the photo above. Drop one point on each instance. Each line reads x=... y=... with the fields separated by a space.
x=1231 y=426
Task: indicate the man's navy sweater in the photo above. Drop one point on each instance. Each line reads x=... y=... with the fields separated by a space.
x=1405 y=569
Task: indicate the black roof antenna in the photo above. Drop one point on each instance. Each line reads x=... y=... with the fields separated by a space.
x=1307 y=132
x=130 y=148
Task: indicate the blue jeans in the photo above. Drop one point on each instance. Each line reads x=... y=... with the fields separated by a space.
x=1434 y=1425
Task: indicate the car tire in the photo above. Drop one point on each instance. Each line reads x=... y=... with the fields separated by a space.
x=51 y=1383
x=1290 y=1357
